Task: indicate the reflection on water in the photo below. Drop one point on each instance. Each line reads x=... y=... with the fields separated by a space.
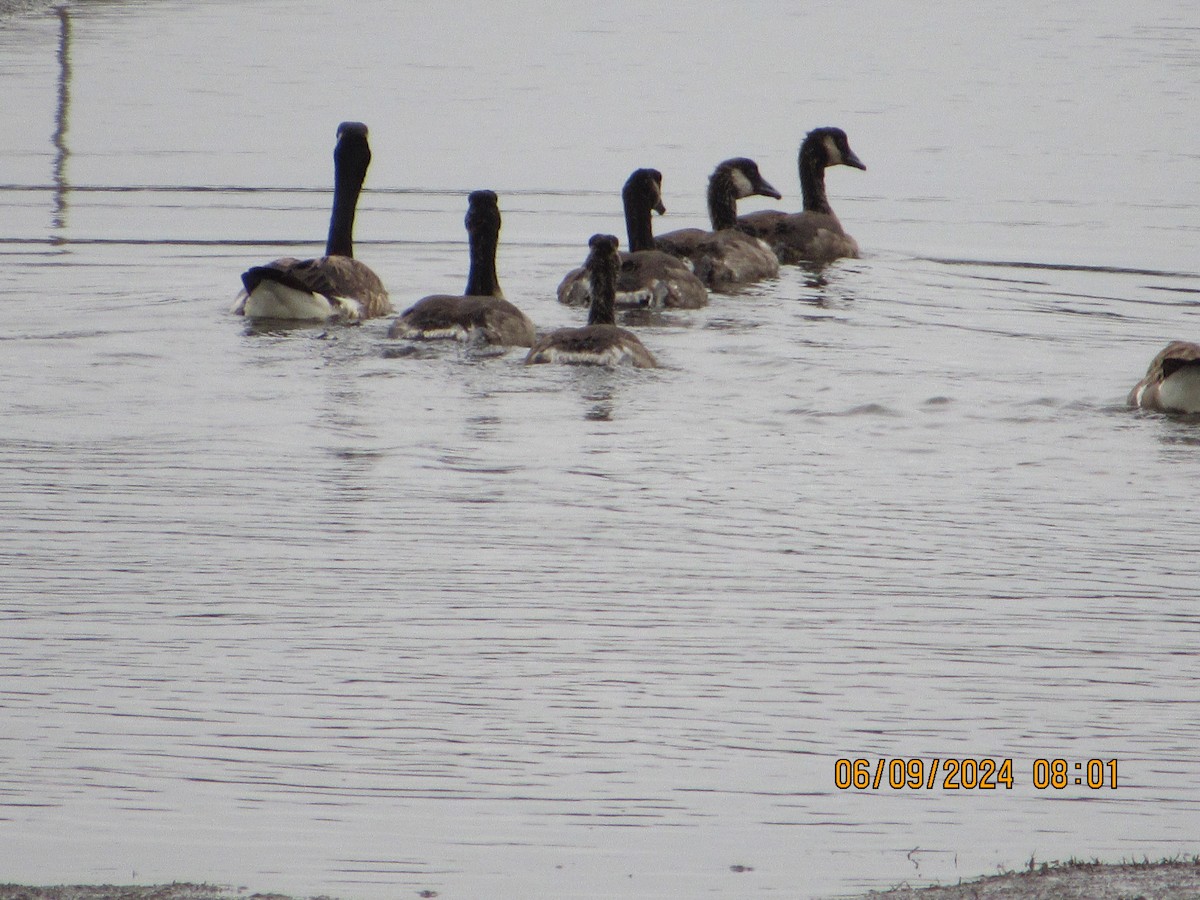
x=347 y=615
x=61 y=119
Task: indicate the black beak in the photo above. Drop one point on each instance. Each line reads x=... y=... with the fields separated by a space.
x=763 y=188
x=849 y=159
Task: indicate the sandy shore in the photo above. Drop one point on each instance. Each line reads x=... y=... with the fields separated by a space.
x=1165 y=880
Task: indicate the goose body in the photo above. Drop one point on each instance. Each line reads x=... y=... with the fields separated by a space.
x=600 y=342
x=647 y=277
x=333 y=286
x=1172 y=383
x=725 y=256
x=815 y=234
x=481 y=314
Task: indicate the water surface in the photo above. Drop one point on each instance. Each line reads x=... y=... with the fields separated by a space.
x=308 y=610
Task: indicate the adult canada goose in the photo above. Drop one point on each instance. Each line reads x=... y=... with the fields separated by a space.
x=814 y=235
x=648 y=277
x=600 y=342
x=481 y=313
x=1172 y=382
x=335 y=285
x=725 y=256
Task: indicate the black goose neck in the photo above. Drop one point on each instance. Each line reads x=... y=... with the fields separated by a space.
x=639 y=228
x=722 y=200
x=640 y=197
x=602 y=273
x=482 y=280
x=483 y=231
x=350 y=160
x=812 y=178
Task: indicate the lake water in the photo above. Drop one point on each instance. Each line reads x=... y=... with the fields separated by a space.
x=305 y=611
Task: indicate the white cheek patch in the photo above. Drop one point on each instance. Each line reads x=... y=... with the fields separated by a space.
x=1181 y=392
x=833 y=154
x=742 y=184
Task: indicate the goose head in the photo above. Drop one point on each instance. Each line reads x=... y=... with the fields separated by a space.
x=641 y=196
x=483 y=213
x=743 y=175
x=603 y=253
x=820 y=149
x=352 y=153
x=731 y=181
x=827 y=147
x=643 y=190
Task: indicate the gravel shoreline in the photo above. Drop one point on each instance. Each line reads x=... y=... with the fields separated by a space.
x=1169 y=879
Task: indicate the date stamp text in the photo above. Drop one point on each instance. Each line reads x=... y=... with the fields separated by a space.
x=970 y=774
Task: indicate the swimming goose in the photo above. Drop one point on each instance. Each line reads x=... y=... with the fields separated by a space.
x=600 y=342
x=481 y=313
x=335 y=285
x=725 y=256
x=814 y=235
x=648 y=277
x=1172 y=382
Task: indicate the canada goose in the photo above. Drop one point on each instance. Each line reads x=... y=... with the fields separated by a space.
x=725 y=256
x=1172 y=382
x=814 y=235
x=648 y=277
x=335 y=285
x=481 y=313
x=600 y=342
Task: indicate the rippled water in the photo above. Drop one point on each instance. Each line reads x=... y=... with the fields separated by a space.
x=304 y=610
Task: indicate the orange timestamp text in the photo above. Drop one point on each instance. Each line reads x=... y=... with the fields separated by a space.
x=970 y=774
